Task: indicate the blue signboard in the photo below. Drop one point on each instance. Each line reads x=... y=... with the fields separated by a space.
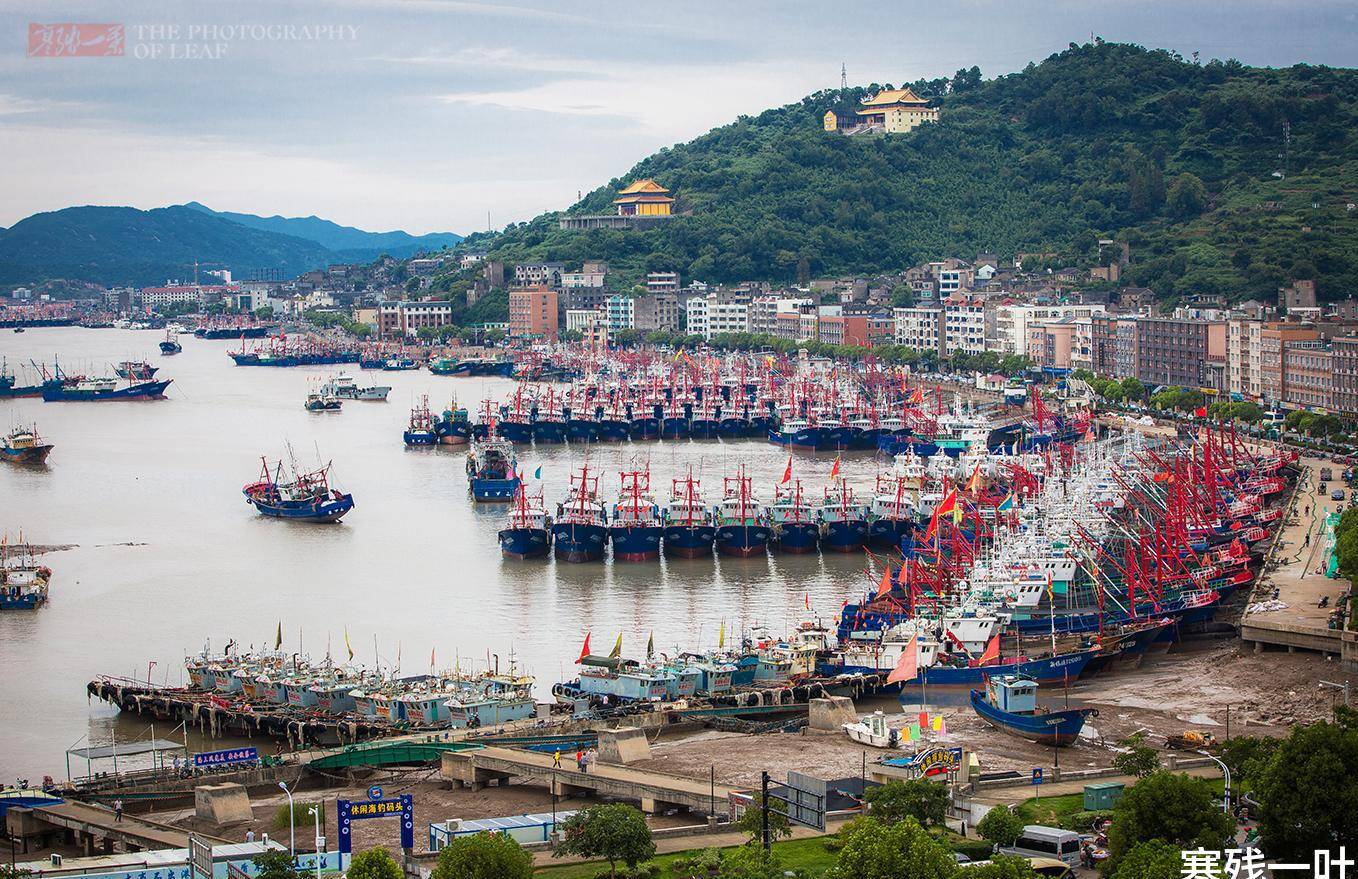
x=374 y=793
x=226 y=758
x=348 y=812
x=1037 y=775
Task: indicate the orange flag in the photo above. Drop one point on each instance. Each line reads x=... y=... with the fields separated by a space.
x=584 y=650
x=908 y=666
x=947 y=505
x=975 y=481
x=992 y=651
x=885 y=586
x=834 y=471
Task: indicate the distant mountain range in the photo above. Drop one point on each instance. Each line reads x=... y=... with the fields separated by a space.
x=122 y=245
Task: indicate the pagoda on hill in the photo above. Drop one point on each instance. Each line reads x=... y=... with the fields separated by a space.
x=644 y=198
x=893 y=111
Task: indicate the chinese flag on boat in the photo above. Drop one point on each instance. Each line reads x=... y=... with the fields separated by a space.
x=834 y=471
x=787 y=473
x=946 y=506
x=584 y=650
x=992 y=651
x=808 y=601
x=908 y=666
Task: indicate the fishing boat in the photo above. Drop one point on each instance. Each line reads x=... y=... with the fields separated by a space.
x=102 y=389
x=305 y=497
x=420 y=431
x=846 y=521
x=170 y=345
x=796 y=525
x=491 y=475
x=23 y=582
x=23 y=446
x=893 y=510
x=344 y=387
x=580 y=528
x=400 y=364
x=136 y=369
x=690 y=528
x=9 y=386
x=454 y=427
x=322 y=401
x=528 y=533
x=873 y=732
x=1009 y=703
x=742 y=524
x=636 y=528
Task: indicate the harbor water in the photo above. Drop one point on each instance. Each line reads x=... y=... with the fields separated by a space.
x=166 y=554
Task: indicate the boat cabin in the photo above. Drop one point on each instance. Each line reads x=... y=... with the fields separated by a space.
x=1013 y=694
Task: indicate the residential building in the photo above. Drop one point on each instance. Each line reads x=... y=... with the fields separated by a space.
x=920 y=327
x=541 y=274
x=533 y=313
x=1170 y=351
x=619 y=313
x=717 y=313
x=764 y=311
x=1308 y=375
x=1275 y=339
x=581 y=299
x=1009 y=333
x=964 y=327
x=580 y=319
x=397 y=320
x=467 y=260
x=583 y=278
x=1344 y=397
x=1050 y=343
x=1302 y=294
x=656 y=311
x=1244 y=355
x=175 y=294
x=662 y=282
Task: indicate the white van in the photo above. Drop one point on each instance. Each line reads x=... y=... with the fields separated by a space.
x=1037 y=841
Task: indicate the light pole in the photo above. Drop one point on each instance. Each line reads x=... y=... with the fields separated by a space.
x=292 y=821
x=1344 y=686
x=316 y=822
x=1226 y=774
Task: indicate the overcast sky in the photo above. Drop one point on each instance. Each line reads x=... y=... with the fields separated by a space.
x=428 y=114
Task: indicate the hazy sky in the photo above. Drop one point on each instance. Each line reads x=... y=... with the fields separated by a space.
x=427 y=114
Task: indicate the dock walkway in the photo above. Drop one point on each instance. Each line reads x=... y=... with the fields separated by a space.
x=87 y=824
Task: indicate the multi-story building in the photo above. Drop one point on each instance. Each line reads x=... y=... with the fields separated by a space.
x=1274 y=341
x=539 y=274
x=1345 y=364
x=620 y=313
x=580 y=319
x=1244 y=355
x=174 y=294
x=1308 y=375
x=1050 y=343
x=964 y=327
x=1170 y=351
x=594 y=278
x=1009 y=330
x=581 y=299
x=533 y=313
x=656 y=311
x=764 y=311
x=920 y=327
x=717 y=313
x=662 y=282
x=399 y=319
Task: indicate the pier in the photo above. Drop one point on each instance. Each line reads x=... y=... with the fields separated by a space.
x=653 y=790
x=95 y=828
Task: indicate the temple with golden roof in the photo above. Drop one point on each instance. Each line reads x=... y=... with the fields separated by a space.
x=892 y=111
x=644 y=198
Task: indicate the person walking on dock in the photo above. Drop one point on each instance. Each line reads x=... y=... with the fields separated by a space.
x=117 y=810
x=579 y=760
x=556 y=759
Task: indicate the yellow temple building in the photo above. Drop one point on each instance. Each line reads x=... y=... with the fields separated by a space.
x=893 y=111
x=645 y=198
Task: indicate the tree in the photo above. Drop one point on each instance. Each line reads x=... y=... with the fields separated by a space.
x=375 y=863
x=616 y=832
x=1307 y=795
x=1247 y=757
x=483 y=856
x=1173 y=808
x=264 y=312
x=1133 y=388
x=1187 y=196
x=750 y=862
x=275 y=864
x=1152 y=859
x=1000 y=826
x=1139 y=759
x=924 y=800
x=752 y=822
x=872 y=850
x=1003 y=867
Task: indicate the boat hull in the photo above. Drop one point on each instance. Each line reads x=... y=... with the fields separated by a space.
x=525 y=543
x=846 y=536
x=1047 y=670
x=573 y=542
x=636 y=543
x=32 y=456
x=888 y=533
x=323 y=511
x=797 y=538
x=492 y=490
x=1058 y=728
x=154 y=390
x=420 y=438
x=689 y=542
x=743 y=541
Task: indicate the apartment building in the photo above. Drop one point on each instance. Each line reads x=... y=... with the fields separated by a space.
x=533 y=313
x=717 y=313
x=920 y=327
x=1051 y=343
x=764 y=311
x=539 y=274
x=579 y=320
x=656 y=311
x=1244 y=357
x=1009 y=329
x=396 y=320
x=662 y=282
x=1274 y=342
x=1170 y=351
x=620 y=313
x=1344 y=399
x=964 y=327
x=1308 y=375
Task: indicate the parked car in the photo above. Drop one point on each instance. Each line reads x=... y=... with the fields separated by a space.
x=1337 y=494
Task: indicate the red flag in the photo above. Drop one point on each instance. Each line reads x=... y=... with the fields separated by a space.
x=908 y=666
x=834 y=471
x=584 y=650
x=787 y=474
x=885 y=586
x=808 y=601
x=992 y=651
x=1200 y=412
x=948 y=504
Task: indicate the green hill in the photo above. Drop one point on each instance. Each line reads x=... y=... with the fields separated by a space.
x=1102 y=140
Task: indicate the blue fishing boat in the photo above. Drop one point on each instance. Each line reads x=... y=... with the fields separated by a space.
x=23 y=445
x=136 y=369
x=797 y=433
x=491 y=472
x=23 y=582
x=420 y=431
x=101 y=389
x=690 y=528
x=1009 y=703
x=170 y=345
x=399 y=364
x=743 y=527
x=528 y=533
x=846 y=522
x=636 y=529
x=454 y=427
x=796 y=526
x=306 y=497
x=580 y=528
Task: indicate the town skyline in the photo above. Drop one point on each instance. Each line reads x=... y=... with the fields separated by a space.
x=458 y=115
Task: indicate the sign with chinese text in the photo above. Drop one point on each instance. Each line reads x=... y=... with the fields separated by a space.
x=349 y=811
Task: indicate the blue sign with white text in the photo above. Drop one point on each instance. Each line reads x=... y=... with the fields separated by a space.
x=349 y=811
x=226 y=758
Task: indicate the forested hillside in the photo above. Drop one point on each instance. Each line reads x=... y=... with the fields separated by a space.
x=1183 y=160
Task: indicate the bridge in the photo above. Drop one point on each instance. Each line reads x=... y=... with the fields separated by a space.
x=430 y=750
x=653 y=790
x=88 y=825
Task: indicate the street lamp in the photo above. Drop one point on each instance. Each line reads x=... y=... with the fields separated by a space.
x=316 y=822
x=1344 y=686
x=1226 y=774
x=292 y=821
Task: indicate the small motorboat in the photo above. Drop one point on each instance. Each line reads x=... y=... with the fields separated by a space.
x=873 y=732
x=320 y=401
x=1009 y=703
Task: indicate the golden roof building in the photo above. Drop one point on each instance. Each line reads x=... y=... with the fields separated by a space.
x=645 y=198
x=893 y=111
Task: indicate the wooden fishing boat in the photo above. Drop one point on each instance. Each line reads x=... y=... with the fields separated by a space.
x=1009 y=703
